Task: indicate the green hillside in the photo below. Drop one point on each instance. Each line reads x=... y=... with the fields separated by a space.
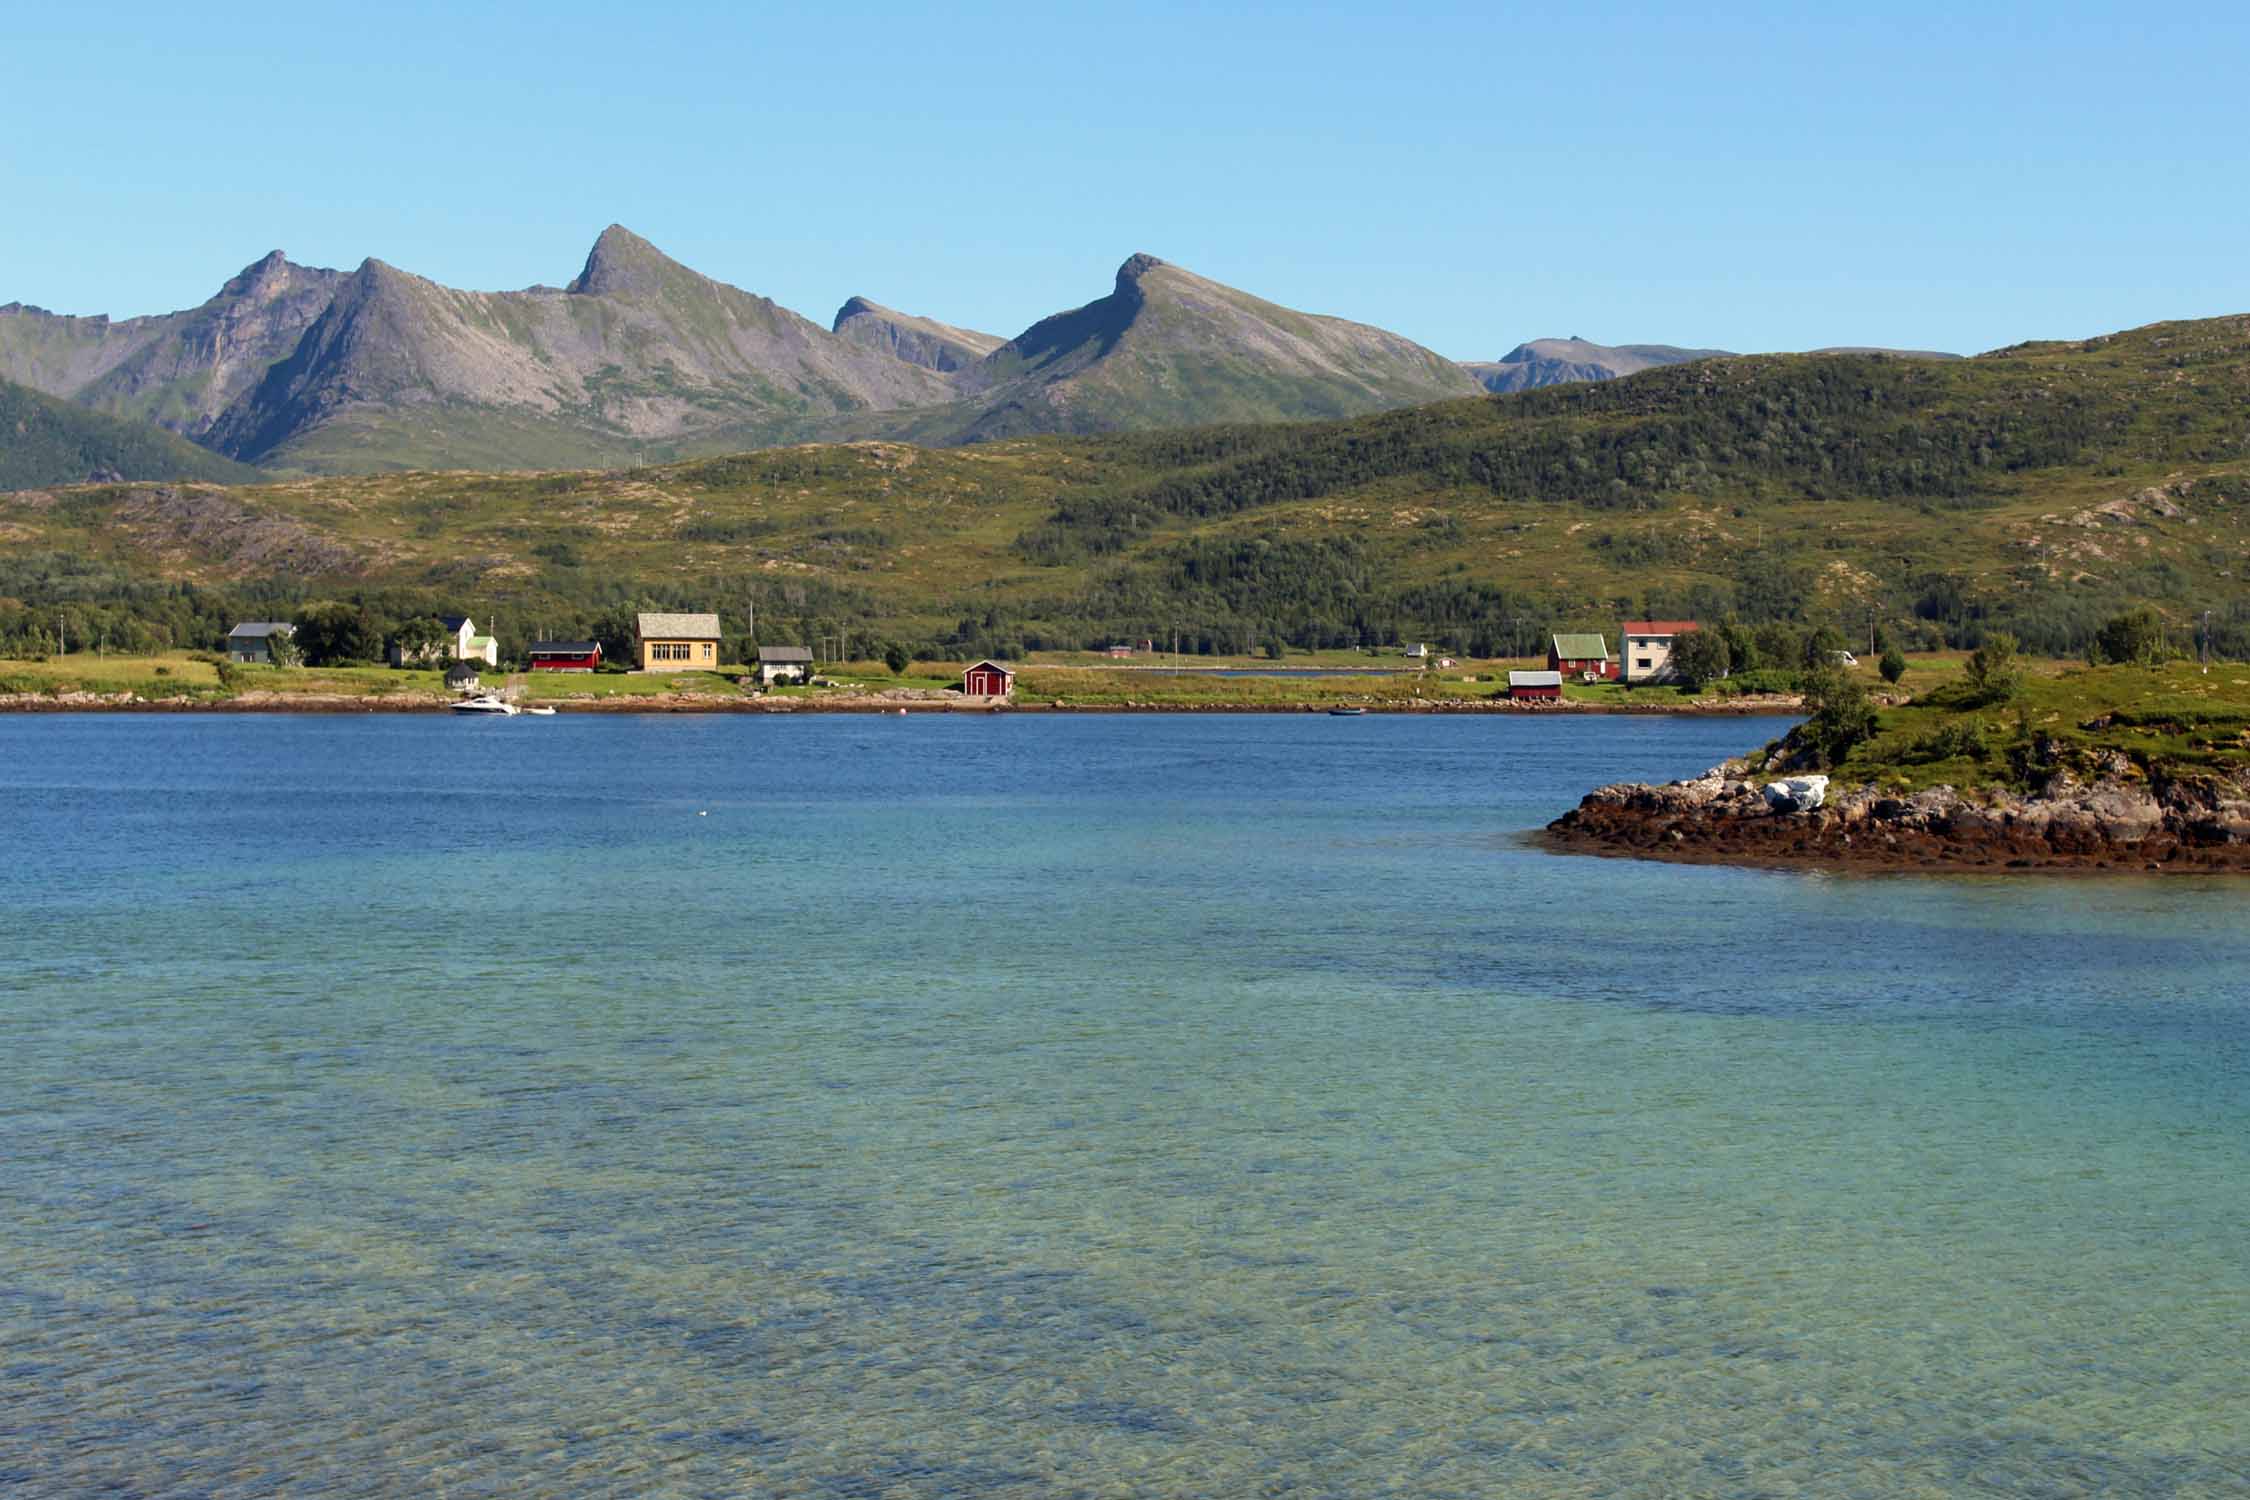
x=44 y=441
x=2040 y=488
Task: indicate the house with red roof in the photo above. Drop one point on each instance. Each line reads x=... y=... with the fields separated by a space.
x=1647 y=648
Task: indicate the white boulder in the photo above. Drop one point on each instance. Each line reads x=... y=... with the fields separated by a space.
x=1797 y=794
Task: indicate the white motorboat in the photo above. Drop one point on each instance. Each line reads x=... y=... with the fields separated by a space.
x=487 y=704
x=540 y=712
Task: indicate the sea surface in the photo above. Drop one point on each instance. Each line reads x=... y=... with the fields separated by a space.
x=1076 y=1106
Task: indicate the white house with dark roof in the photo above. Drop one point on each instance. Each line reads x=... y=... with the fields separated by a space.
x=778 y=662
x=252 y=641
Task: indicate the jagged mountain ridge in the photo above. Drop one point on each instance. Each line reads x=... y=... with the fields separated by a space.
x=918 y=341
x=641 y=358
x=1562 y=361
x=179 y=370
x=637 y=352
x=1168 y=348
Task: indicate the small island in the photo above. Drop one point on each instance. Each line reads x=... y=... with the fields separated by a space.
x=2121 y=767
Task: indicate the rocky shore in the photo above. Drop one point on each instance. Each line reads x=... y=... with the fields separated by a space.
x=2119 y=821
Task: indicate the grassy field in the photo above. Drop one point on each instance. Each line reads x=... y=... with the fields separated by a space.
x=2167 y=721
x=563 y=686
x=174 y=675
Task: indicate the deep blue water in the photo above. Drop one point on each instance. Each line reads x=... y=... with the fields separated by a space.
x=1053 y=1105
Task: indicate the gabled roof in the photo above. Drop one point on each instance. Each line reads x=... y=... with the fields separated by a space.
x=1535 y=679
x=460 y=671
x=1659 y=627
x=660 y=627
x=262 y=628
x=999 y=666
x=1588 y=647
x=566 y=648
x=784 y=656
x=453 y=622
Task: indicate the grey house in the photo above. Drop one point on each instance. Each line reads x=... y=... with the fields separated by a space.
x=777 y=662
x=253 y=641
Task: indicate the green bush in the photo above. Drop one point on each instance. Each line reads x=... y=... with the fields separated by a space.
x=1893 y=665
x=1700 y=657
x=1841 y=715
x=2134 y=638
x=1995 y=675
x=1962 y=739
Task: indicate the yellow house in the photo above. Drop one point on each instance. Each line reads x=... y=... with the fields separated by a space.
x=679 y=643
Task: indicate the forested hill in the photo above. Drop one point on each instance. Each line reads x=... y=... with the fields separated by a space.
x=44 y=440
x=2041 y=487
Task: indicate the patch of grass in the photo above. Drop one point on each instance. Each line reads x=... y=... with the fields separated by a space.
x=2158 y=722
x=564 y=686
x=175 y=675
x=1079 y=687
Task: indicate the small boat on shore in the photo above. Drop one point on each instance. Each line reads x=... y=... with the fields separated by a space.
x=486 y=704
x=1346 y=713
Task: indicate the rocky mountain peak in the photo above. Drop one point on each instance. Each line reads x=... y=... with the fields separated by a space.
x=856 y=307
x=1136 y=266
x=621 y=261
x=262 y=275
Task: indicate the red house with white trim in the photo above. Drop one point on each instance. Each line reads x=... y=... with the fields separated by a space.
x=988 y=679
x=565 y=656
x=1582 y=656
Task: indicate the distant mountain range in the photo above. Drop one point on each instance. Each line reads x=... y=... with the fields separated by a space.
x=294 y=368
x=300 y=369
x=1560 y=361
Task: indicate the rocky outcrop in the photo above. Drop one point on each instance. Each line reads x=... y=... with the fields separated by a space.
x=2198 y=823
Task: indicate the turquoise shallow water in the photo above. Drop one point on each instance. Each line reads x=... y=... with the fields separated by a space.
x=1076 y=1106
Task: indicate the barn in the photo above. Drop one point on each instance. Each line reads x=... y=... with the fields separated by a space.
x=988 y=679
x=1536 y=687
x=1584 y=656
x=565 y=656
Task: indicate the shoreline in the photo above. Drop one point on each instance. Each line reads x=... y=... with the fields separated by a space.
x=312 y=703
x=2197 y=826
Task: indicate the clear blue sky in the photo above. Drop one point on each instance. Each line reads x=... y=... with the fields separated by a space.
x=1953 y=176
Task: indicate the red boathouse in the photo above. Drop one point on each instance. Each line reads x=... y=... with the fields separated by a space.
x=1535 y=687
x=988 y=679
x=565 y=656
